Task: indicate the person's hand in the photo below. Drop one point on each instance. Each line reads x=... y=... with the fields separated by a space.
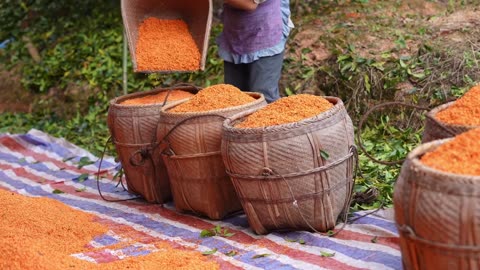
x=248 y=5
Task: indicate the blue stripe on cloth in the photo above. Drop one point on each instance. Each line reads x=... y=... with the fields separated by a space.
x=105 y=240
x=384 y=224
x=159 y=227
x=353 y=252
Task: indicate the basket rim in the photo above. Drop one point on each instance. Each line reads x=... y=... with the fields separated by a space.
x=259 y=99
x=229 y=123
x=414 y=158
x=432 y=113
x=116 y=102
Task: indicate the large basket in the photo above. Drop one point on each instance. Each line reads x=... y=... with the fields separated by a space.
x=133 y=130
x=194 y=163
x=196 y=13
x=296 y=176
x=436 y=130
x=438 y=215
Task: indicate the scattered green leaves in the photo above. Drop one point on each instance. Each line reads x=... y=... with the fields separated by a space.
x=80 y=189
x=84 y=161
x=216 y=231
x=260 y=256
x=210 y=252
x=82 y=177
x=57 y=191
x=300 y=241
x=326 y=254
x=231 y=253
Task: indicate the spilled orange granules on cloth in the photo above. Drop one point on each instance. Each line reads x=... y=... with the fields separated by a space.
x=214 y=97
x=158 y=98
x=287 y=110
x=461 y=155
x=42 y=233
x=166 y=45
x=465 y=111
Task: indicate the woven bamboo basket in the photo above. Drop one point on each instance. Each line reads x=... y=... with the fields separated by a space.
x=196 y=13
x=283 y=180
x=438 y=215
x=197 y=174
x=133 y=131
x=436 y=130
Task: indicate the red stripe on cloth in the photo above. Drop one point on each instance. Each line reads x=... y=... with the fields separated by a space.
x=392 y=242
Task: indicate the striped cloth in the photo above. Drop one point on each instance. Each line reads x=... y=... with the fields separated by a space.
x=36 y=164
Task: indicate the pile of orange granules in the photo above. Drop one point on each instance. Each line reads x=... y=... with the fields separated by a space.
x=287 y=110
x=42 y=233
x=215 y=97
x=465 y=111
x=158 y=98
x=166 y=45
x=461 y=155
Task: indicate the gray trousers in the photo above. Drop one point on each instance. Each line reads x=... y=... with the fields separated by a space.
x=261 y=76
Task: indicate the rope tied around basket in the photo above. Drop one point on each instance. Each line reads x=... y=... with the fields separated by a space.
x=409 y=233
x=351 y=157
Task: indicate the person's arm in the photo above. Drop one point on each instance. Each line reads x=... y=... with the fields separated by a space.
x=249 y=5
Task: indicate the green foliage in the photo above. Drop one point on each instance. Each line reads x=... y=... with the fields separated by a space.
x=89 y=131
x=385 y=141
x=216 y=231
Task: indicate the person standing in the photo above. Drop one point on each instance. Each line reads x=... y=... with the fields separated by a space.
x=252 y=44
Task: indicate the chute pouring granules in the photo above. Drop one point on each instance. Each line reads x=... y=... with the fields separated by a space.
x=166 y=45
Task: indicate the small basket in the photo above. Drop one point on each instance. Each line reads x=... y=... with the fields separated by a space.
x=437 y=130
x=197 y=14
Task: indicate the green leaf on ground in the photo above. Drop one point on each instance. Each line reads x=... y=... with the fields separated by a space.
x=231 y=253
x=260 y=256
x=84 y=161
x=326 y=254
x=57 y=191
x=210 y=252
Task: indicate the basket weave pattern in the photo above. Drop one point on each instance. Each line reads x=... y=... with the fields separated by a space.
x=438 y=215
x=133 y=130
x=197 y=174
x=279 y=173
